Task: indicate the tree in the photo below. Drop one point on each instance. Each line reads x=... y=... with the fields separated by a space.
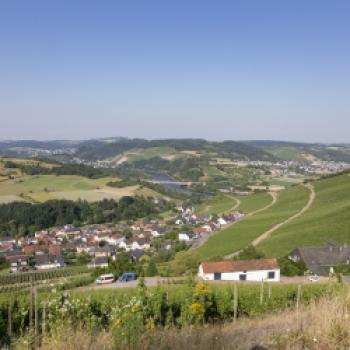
x=151 y=269
x=249 y=253
x=3 y=263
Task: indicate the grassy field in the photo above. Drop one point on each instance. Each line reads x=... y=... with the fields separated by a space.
x=253 y=202
x=41 y=188
x=239 y=235
x=219 y=204
x=328 y=220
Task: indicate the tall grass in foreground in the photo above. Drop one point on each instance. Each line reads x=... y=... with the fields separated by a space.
x=323 y=324
x=132 y=318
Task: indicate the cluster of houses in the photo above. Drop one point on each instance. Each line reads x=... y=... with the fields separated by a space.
x=49 y=249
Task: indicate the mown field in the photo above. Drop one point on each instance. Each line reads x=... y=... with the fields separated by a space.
x=240 y=234
x=328 y=220
x=40 y=188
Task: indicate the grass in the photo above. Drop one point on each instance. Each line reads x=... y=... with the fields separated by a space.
x=241 y=234
x=254 y=202
x=326 y=221
x=41 y=188
x=287 y=153
x=10 y=198
x=219 y=204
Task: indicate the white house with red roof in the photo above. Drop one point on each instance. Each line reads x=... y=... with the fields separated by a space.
x=240 y=270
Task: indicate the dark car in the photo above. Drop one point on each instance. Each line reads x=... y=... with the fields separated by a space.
x=127 y=276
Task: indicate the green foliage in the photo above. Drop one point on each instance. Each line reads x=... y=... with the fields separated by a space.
x=131 y=314
x=122 y=183
x=250 y=253
x=122 y=264
x=151 y=269
x=31 y=217
x=291 y=268
x=185 y=262
x=61 y=169
x=3 y=263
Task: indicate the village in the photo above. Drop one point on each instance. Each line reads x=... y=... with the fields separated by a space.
x=96 y=245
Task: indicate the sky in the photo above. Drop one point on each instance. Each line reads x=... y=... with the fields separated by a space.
x=235 y=69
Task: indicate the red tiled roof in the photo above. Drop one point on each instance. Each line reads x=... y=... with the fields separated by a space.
x=239 y=265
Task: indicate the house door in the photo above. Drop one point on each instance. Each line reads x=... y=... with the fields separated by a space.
x=217 y=276
x=242 y=277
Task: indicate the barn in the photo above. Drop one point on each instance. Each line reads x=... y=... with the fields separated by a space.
x=240 y=270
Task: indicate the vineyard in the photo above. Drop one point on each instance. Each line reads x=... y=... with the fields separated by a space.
x=130 y=314
x=28 y=277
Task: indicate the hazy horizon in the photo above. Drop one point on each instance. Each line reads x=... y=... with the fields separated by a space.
x=186 y=69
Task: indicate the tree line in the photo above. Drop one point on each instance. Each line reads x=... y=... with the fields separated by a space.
x=61 y=169
x=20 y=218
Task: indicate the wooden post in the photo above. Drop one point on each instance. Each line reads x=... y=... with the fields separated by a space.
x=262 y=292
x=36 y=319
x=43 y=324
x=31 y=304
x=9 y=322
x=298 y=296
x=235 y=302
x=270 y=291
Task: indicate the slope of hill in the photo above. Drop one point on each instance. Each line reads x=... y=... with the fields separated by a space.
x=93 y=150
x=304 y=151
x=242 y=233
x=327 y=220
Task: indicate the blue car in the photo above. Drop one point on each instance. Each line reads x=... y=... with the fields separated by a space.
x=127 y=276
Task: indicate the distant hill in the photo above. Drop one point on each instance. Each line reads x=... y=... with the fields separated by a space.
x=93 y=150
x=304 y=151
x=106 y=148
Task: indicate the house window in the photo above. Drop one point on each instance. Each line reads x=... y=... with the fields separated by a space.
x=242 y=277
x=217 y=276
x=271 y=275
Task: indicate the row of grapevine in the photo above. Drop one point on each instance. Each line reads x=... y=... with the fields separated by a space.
x=129 y=315
x=25 y=277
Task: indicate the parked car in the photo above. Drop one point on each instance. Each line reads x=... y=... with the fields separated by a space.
x=314 y=278
x=127 y=276
x=108 y=278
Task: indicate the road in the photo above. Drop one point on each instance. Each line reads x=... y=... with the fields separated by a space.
x=149 y=281
x=154 y=281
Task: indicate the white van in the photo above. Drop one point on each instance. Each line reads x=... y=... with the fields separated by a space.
x=108 y=278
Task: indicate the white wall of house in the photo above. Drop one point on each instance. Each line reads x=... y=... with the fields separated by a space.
x=48 y=266
x=257 y=276
x=184 y=237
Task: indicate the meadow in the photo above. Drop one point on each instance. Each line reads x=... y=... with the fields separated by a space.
x=220 y=204
x=327 y=220
x=40 y=188
x=242 y=233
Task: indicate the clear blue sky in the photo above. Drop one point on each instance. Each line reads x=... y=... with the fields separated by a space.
x=157 y=69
